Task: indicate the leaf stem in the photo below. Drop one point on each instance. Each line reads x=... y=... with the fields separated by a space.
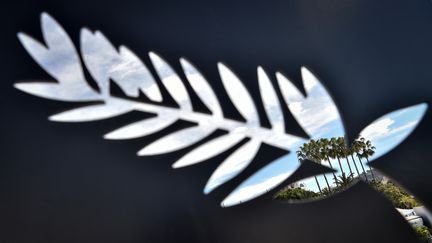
x=269 y=136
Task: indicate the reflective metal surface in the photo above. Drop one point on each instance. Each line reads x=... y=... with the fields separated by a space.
x=318 y=116
x=315 y=112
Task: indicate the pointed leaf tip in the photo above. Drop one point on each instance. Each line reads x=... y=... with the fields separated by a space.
x=201 y=87
x=391 y=129
x=171 y=81
x=46 y=17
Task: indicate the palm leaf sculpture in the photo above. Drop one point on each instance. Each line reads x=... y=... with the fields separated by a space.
x=59 y=58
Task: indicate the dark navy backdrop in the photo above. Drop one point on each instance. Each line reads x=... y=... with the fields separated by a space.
x=64 y=183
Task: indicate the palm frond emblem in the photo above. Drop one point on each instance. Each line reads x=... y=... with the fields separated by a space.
x=316 y=111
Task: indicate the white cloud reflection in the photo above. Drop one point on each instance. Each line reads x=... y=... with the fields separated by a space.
x=384 y=133
x=319 y=117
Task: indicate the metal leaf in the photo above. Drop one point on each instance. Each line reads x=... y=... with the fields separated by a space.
x=393 y=128
x=61 y=61
x=141 y=128
x=317 y=112
x=104 y=62
x=209 y=150
x=239 y=95
x=271 y=102
x=172 y=82
x=99 y=56
x=93 y=112
x=263 y=181
x=233 y=165
x=177 y=140
x=201 y=87
x=55 y=91
x=132 y=75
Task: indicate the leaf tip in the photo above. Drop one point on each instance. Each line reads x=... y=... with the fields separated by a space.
x=49 y=24
x=153 y=55
x=85 y=35
x=179 y=164
x=142 y=152
x=420 y=109
x=186 y=65
x=304 y=70
x=280 y=76
x=210 y=186
x=423 y=106
x=111 y=136
x=36 y=89
x=207 y=189
x=156 y=59
x=55 y=118
x=221 y=67
x=175 y=166
x=46 y=17
x=20 y=86
x=147 y=151
x=21 y=35
x=184 y=61
x=261 y=74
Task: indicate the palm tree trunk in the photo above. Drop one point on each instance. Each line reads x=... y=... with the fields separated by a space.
x=340 y=165
x=349 y=166
x=363 y=170
x=319 y=188
x=328 y=185
x=334 y=175
x=373 y=176
x=355 y=165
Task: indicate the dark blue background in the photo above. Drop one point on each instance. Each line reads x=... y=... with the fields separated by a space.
x=64 y=183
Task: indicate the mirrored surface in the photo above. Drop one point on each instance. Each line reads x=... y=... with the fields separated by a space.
x=314 y=110
x=351 y=161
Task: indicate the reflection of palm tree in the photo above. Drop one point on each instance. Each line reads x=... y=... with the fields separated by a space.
x=367 y=150
x=356 y=148
x=349 y=152
x=334 y=151
x=343 y=151
x=344 y=181
x=315 y=155
x=309 y=151
x=323 y=151
x=301 y=156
